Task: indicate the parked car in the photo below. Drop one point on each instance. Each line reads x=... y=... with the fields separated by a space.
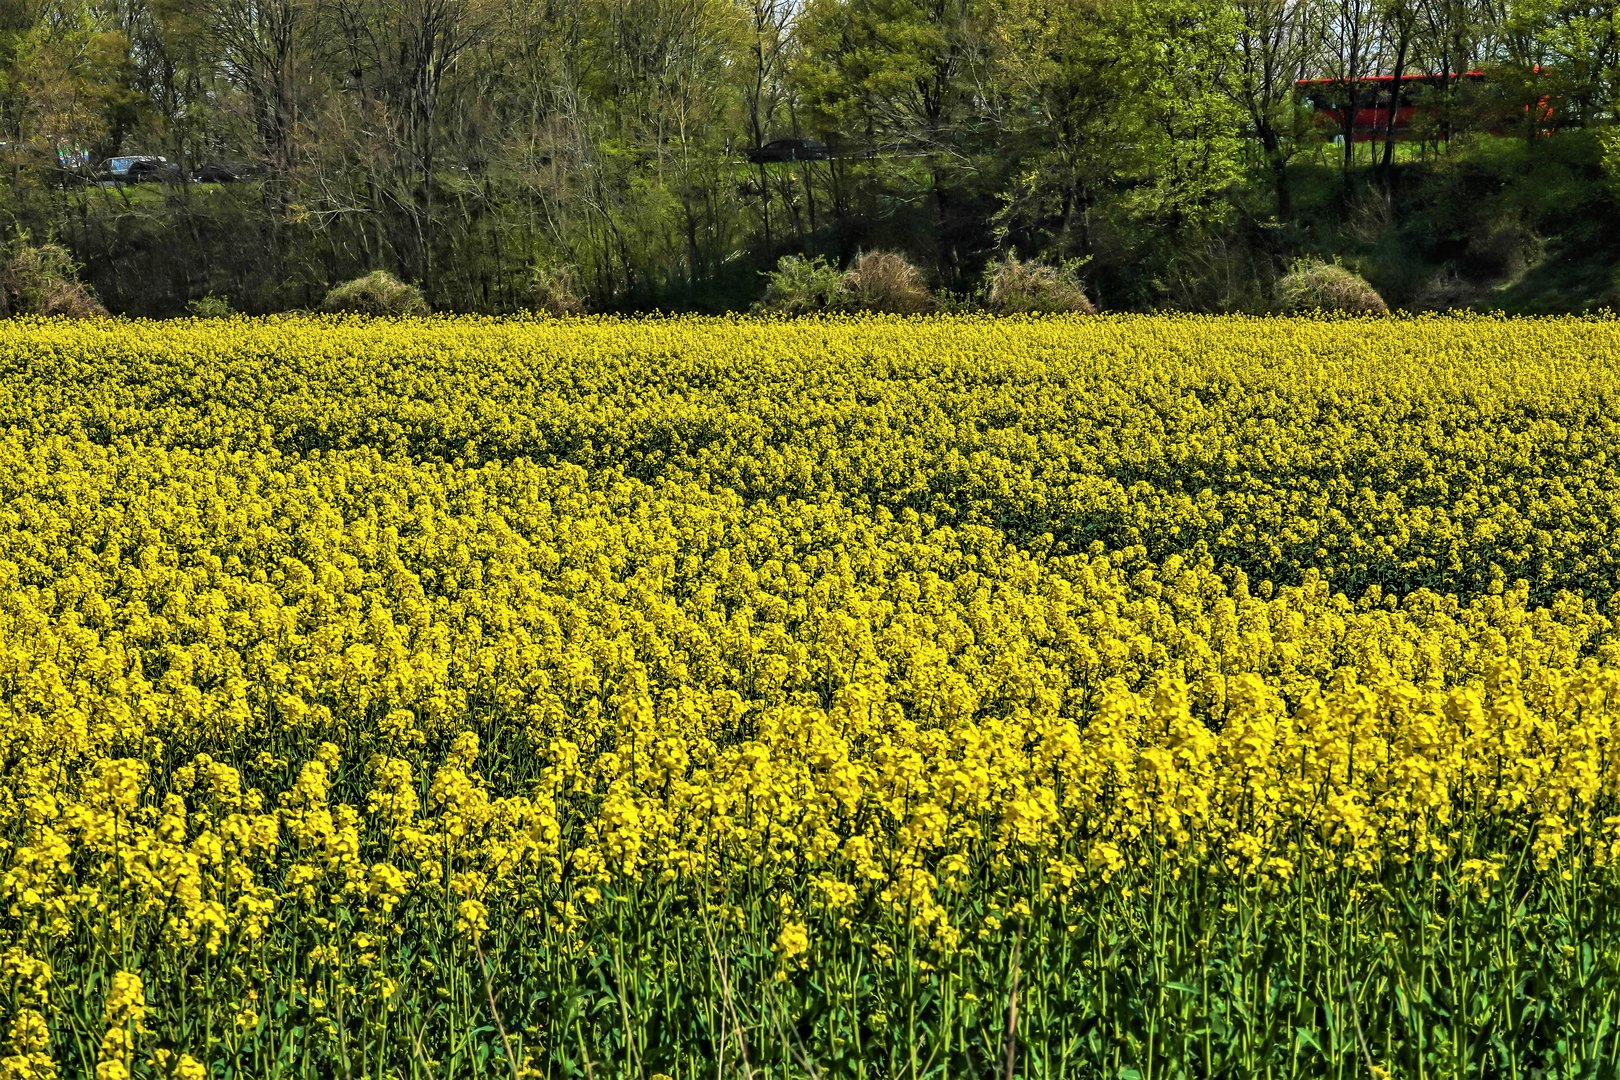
x=128 y=168
x=788 y=150
x=220 y=172
x=156 y=171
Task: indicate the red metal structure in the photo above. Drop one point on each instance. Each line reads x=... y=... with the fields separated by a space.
x=1375 y=96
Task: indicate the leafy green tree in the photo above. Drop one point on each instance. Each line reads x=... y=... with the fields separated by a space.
x=905 y=81
x=1120 y=113
x=1276 y=41
x=1567 y=51
x=463 y=144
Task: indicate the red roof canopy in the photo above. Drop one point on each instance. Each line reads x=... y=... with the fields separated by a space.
x=1387 y=78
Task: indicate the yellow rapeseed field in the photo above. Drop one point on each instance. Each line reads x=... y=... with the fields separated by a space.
x=1125 y=696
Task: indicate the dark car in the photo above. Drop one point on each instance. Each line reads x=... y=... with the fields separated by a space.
x=218 y=172
x=788 y=150
x=156 y=171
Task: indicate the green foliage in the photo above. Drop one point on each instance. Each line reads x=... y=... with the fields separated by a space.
x=210 y=306
x=1481 y=194
x=378 y=293
x=904 y=79
x=1314 y=285
x=1609 y=144
x=1012 y=287
x=1447 y=290
x=1152 y=138
x=1188 y=152
x=43 y=279
x=1505 y=249
x=801 y=286
x=1485 y=223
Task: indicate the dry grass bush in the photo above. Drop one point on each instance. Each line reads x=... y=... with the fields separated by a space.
x=886 y=281
x=378 y=293
x=1013 y=286
x=43 y=279
x=556 y=290
x=1370 y=217
x=1314 y=285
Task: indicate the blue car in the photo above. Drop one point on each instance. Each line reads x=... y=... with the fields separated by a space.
x=136 y=168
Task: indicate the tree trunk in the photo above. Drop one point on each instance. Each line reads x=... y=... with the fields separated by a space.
x=765 y=208
x=1401 y=47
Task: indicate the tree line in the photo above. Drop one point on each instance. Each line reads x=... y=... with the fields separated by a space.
x=475 y=147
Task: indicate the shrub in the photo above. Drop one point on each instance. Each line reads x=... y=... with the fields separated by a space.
x=378 y=293
x=799 y=286
x=43 y=279
x=885 y=281
x=1611 y=296
x=1449 y=291
x=556 y=290
x=1314 y=285
x=1505 y=249
x=1012 y=286
x=1609 y=159
x=210 y=306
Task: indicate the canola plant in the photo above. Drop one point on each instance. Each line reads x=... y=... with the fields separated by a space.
x=870 y=697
